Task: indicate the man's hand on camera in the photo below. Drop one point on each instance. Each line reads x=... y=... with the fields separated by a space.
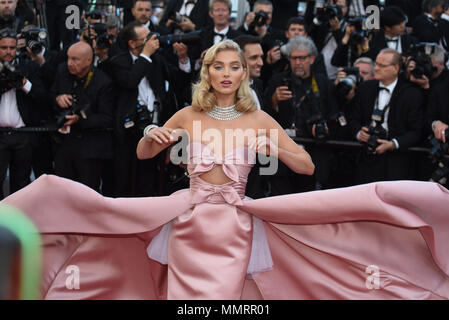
x=349 y=30
x=71 y=119
x=423 y=82
x=340 y=75
x=314 y=130
x=64 y=100
x=334 y=23
x=364 y=135
x=151 y=46
x=101 y=53
x=384 y=146
x=274 y=55
x=181 y=50
x=186 y=24
x=250 y=18
x=439 y=130
x=38 y=58
x=282 y=93
x=85 y=34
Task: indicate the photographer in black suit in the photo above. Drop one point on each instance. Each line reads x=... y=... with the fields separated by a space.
x=21 y=90
x=84 y=111
x=148 y=91
x=186 y=15
x=429 y=27
x=392 y=34
x=301 y=103
x=388 y=118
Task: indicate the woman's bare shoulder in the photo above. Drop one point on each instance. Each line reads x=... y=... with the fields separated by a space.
x=263 y=118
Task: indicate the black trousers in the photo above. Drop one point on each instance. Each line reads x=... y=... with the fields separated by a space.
x=16 y=152
x=70 y=164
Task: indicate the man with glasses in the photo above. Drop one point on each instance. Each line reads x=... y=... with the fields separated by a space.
x=388 y=118
x=21 y=91
x=301 y=102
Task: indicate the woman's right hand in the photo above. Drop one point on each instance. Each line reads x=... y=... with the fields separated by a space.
x=160 y=135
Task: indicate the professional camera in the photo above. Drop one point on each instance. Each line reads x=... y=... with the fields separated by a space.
x=80 y=106
x=175 y=16
x=376 y=132
x=142 y=117
x=421 y=53
x=325 y=13
x=361 y=32
x=193 y=37
x=103 y=39
x=95 y=15
x=320 y=126
x=9 y=76
x=437 y=152
x=261 y=18
x=34 y=38
x=346 y=84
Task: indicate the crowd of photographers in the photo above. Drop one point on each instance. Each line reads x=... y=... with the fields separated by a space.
x=76 y=104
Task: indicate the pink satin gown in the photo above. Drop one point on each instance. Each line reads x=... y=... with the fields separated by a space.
x=385 y=240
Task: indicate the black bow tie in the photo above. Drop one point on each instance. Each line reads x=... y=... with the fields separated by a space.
x=384 y=88
x=392 y=39
x=220 y=35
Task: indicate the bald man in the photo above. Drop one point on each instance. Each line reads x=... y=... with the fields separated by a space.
x=84 y=99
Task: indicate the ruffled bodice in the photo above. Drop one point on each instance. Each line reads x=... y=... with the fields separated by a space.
x=236 y=165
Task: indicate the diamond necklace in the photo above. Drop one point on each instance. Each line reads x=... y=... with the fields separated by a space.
x=224 y=113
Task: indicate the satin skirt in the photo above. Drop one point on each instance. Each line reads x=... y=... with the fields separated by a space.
x=386 y=240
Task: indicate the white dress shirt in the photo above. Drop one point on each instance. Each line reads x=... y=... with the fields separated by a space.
x=383 y=100
x=9 y=110
x=146 y=95
x=186 y=8
x=218 y=39
x=394 y=45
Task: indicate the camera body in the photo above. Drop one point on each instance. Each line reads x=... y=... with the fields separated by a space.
x=320 y=126
x=376 y=132
x=361 y=32
x=165 y=41
x=10 y=76
x=437 y=152
x=346 y=84
x=79 y=106
x=421 y=53
x=326 y=12
x=141 y=117
x=34 y=38
x=261 y=18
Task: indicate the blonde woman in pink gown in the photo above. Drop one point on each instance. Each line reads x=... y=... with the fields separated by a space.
x=379 y=241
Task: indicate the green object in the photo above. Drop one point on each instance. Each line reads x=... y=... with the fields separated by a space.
x=31 y=256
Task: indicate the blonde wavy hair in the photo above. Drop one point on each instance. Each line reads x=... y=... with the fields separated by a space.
x=204 y=98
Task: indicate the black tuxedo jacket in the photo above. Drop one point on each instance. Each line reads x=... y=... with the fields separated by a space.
x=127 y=77
x=426 y=31
x=405 y=119
x=378 y=43
x=199 y=14
x=96 y=140
x=207 y=36
x=29 y=104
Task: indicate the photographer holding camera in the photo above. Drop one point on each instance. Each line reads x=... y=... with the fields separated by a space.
x=186 y=15
x=21 y=92
x=388 y=118
x=149 y=91
x=327 y=27
x=392 y=33
x=83 y=98
x=296 y=26
x=301 y=102
x=354 y=44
